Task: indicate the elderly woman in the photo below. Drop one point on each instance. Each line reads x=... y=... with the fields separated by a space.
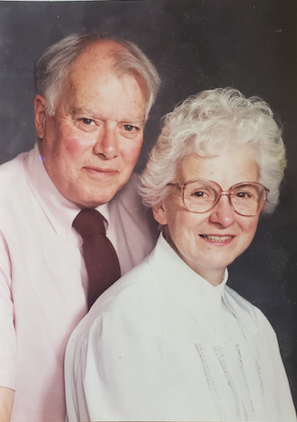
x=170 y=341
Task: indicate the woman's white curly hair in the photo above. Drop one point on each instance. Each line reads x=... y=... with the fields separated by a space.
x=207 y=124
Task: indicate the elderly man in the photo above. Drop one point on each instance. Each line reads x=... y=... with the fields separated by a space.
x=93 y=98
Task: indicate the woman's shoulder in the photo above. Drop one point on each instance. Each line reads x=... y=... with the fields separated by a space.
x=132 y=294
x=232 y=295
x=247 y=311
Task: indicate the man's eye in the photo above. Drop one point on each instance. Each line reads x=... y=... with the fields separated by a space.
x=129 y=128
x=87 y=121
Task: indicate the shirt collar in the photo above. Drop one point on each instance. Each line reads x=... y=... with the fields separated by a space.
x=60 y=211
x=104 y=210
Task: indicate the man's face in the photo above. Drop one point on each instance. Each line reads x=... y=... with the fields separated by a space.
x=92 y=143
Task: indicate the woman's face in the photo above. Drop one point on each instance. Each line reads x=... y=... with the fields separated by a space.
x=210 y=241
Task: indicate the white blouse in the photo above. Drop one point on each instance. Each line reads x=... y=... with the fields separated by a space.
x=164 y=344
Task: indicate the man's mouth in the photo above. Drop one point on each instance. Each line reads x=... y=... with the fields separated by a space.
x=96 y=170
x=221 y=239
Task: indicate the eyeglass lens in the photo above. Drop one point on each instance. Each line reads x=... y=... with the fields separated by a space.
x=201 y=196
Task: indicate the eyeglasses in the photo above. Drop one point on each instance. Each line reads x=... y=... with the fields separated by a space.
x=245 y=198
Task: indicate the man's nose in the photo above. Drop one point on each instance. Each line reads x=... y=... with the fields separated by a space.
x=107 y=142
x=223 y=213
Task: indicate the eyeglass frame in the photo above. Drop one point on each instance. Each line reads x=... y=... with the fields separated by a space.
x=227 y=193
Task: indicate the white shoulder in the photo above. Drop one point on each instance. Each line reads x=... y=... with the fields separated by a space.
x=131 y=292
x=250 y=312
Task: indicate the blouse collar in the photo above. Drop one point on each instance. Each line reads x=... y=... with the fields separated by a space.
x=196 y=294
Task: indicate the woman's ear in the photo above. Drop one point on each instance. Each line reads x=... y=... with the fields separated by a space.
x=39 y=115
x=160 y=214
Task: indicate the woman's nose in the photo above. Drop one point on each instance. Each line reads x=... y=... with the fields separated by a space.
x=223 y=212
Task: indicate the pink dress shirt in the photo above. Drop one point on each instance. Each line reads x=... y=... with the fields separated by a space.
x=43 y=283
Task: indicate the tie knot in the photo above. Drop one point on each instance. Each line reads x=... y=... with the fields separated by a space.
x=89 y=222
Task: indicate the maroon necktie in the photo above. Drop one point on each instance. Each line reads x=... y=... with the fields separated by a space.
x=100 y=257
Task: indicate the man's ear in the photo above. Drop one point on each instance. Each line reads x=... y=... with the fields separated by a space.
x=160 y=214
x=40 y=104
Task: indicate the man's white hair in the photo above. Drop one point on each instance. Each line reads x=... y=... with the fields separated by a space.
x=53 y=67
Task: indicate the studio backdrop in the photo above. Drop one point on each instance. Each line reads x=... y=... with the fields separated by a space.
x=195 y=45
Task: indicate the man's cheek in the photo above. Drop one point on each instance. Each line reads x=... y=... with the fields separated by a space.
x=131 y=155
x=75 y=147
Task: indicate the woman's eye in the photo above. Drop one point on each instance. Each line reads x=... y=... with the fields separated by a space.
x=243 y=195
x=198 y=194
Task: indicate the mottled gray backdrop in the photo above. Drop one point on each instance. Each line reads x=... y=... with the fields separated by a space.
x=195 y=44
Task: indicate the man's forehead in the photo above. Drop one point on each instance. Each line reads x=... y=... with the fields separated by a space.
x=92 y=72
x=101 y=53
x=98 y=61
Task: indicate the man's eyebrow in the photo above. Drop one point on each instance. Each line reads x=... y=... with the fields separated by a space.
x=140 y=120
x=81 y=111
x=75 y=111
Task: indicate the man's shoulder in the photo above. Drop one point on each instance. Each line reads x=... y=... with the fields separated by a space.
x=12 y=174
x=136 y=228
x=129 y=200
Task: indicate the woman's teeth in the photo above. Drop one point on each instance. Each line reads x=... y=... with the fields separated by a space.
x=216 y=238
